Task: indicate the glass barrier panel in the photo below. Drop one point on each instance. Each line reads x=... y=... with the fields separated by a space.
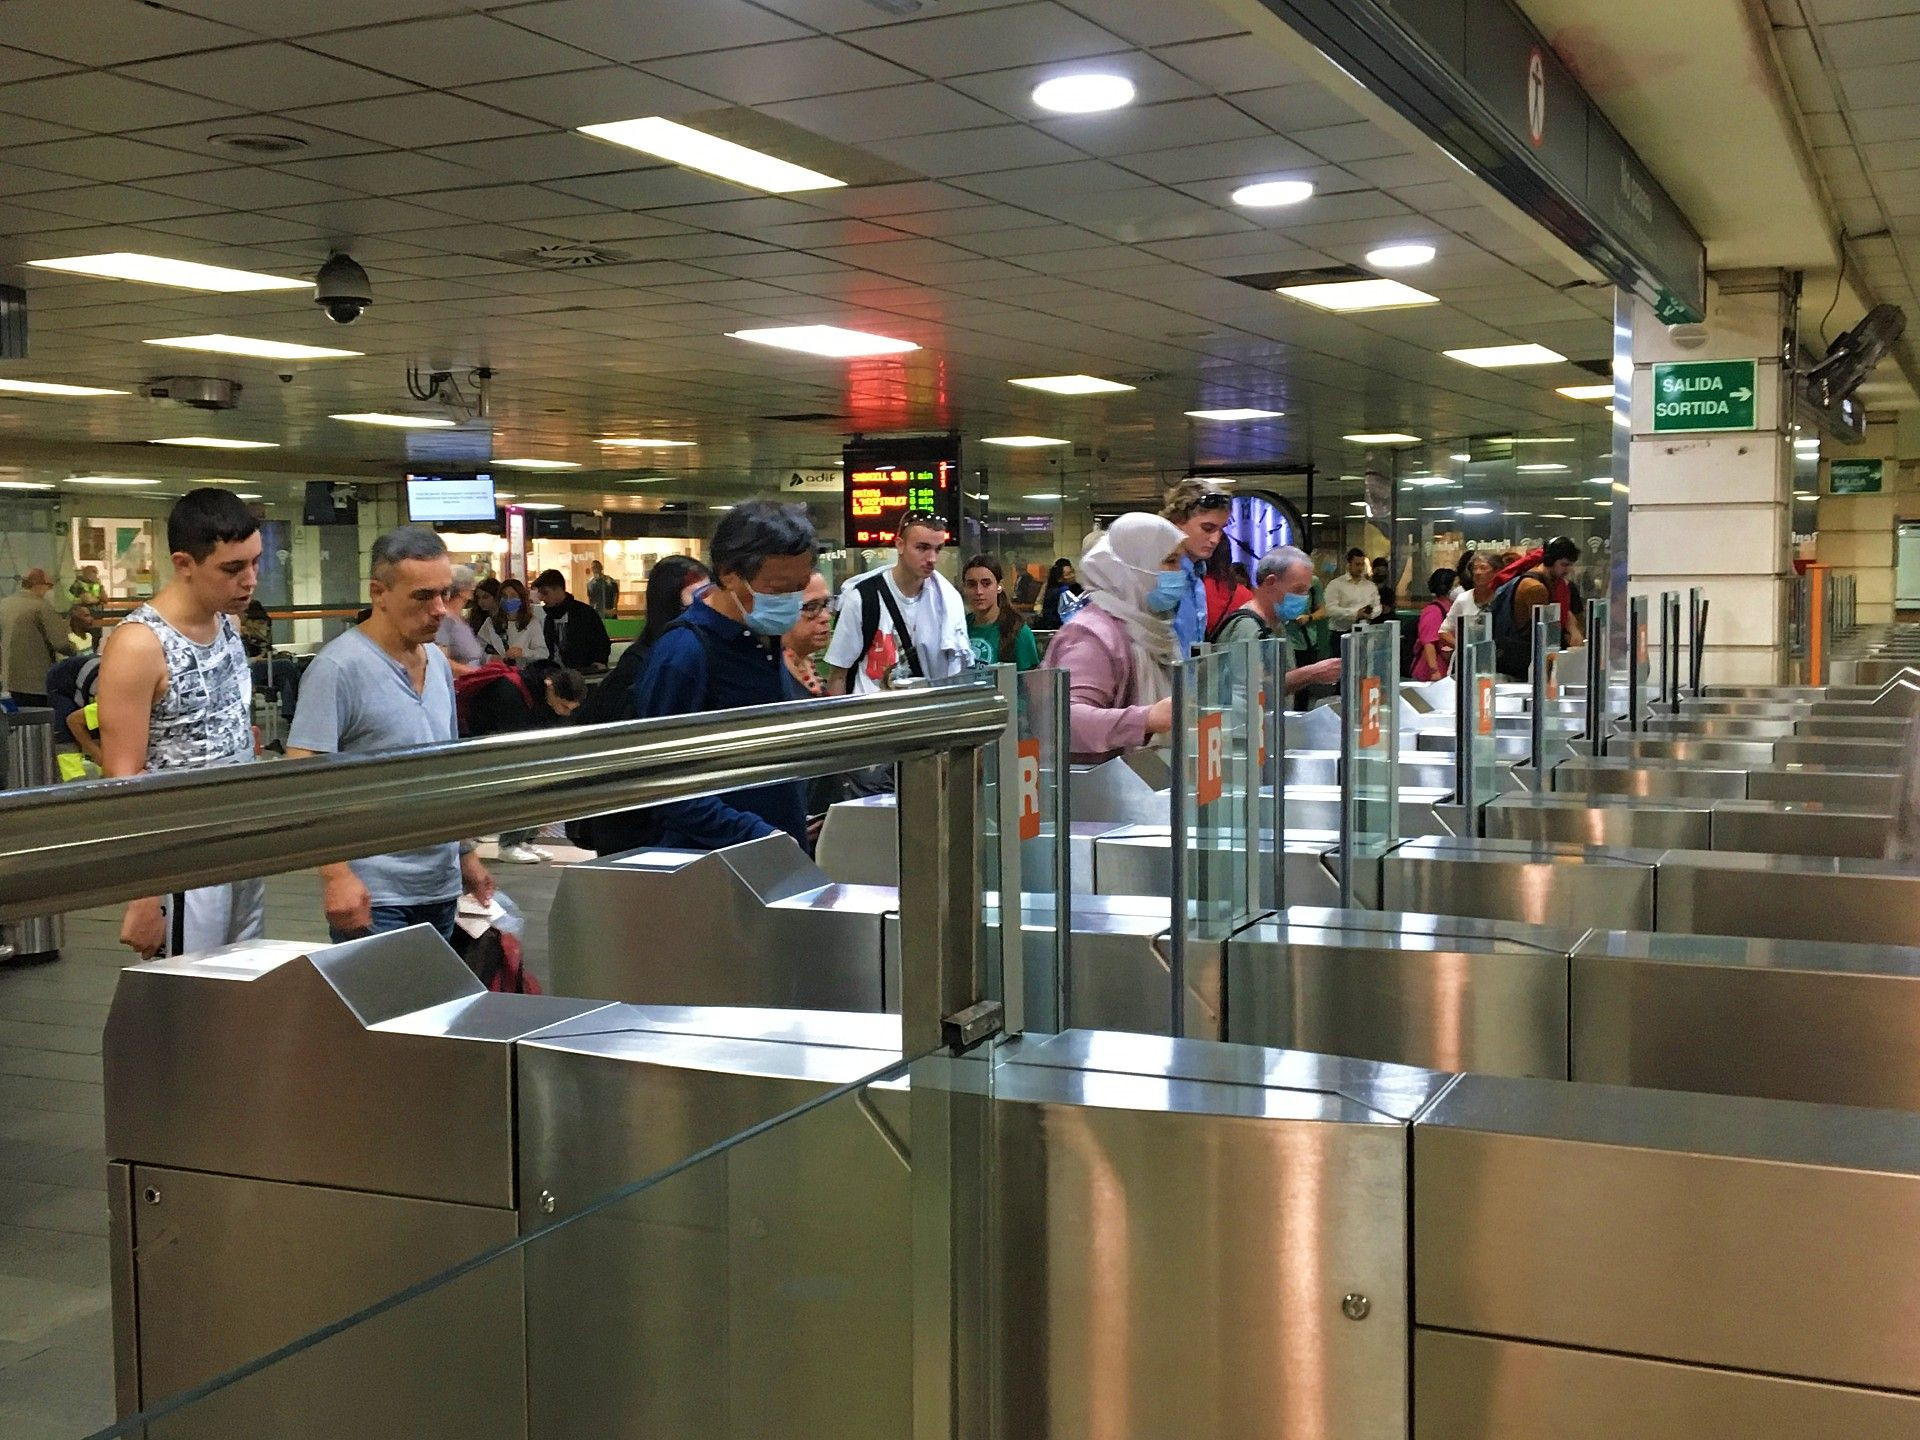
x=1370 y=748
x=1476 y=718
x=1041 y=822
x=1599 y=679
x=804 y=1225
x=1273 y=661
x=1638 y=663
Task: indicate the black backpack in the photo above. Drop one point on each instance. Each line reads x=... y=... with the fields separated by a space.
x=1512 y=641
x=874 y=593
x=628 y=829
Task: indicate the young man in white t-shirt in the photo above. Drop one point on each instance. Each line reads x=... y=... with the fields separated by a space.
x=911 y=593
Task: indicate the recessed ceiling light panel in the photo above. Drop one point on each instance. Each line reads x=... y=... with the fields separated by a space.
x=108 y=480
x=1270 y=194
x=1350 y=296
x=1072 y=384
x=216 y=442
x=256 y=349
x=534 y=463
x=51 y=390
x=696 y=150
x=1400 y=257
x=1586 y=392
x=1496 y=357
x=181 y=274
x=829 y=341
x=1084 y=94
x=1022 y=442
x=1230 y=415
x=1383 y=437
x=627 y=442
x=396 y=422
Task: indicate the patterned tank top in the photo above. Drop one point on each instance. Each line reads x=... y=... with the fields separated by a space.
x=205 y=718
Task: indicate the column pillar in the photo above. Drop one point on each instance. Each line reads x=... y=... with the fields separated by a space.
x=1714 y=508
x=1856 y=532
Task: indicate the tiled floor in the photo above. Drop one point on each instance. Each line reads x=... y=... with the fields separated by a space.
x=56 y=1359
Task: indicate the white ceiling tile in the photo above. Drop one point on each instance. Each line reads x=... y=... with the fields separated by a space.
x=106 y=103
x=622 y=30
x=1264 y=157
x=558 y=155
x=21 y=65
x=1038 y=33
x=1894 y=40
x=416 y=121
x=1040 y=239
x=504 y=203
x=121 y=204
x=1141 y=128
x=833 y=16
x=889 y=113
x=1871 y=86
x=453 y=50
x=111 y=31
x=787 y=70
x=589 y=97
x=266 y=77
x=969 y=152
x=245 y=188
x=387 y=172
x=649 y=189
x=233 y=228
x=1155 y=22
x=286 y=20
x=1358 y=141
x=1237 y=62
x=820 y=236
x=198 y=139
x=110 y=158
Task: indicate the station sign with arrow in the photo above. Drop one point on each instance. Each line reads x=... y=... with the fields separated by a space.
x=1704 y=395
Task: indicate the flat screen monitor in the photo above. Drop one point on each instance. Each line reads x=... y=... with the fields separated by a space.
x=888 y=478
x=439 y=498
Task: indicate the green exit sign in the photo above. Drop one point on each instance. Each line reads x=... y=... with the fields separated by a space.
x=1704 y=395
x=1854 y=477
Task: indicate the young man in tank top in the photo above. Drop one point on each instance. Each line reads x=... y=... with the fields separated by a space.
x=175 y=693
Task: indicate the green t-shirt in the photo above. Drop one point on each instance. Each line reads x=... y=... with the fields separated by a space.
x=986 y=645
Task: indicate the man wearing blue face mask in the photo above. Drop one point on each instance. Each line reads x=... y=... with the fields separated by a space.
x=1282 y=588
x=725 y=652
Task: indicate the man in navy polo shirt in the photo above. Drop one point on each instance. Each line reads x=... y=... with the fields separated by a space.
x=725 y=652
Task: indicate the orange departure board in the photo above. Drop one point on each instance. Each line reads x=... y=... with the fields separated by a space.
x=883 y=486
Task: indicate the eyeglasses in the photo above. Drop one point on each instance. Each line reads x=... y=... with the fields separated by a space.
x=820 y=607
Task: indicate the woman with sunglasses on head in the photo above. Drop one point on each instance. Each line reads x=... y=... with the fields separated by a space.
x=998 y=634
x=1119 y=649
x=1200 y=513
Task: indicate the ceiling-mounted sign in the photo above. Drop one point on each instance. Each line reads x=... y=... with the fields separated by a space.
x=888 y=478
x=1536 y=97
x=1854 y=477
x=811 y=482
x=1704 y=395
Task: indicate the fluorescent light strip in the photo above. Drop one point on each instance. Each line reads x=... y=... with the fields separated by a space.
x=1071 y=384
x=1022 y=442
x=537 y=464
x=108 y=480
x=829 y=341
x=540 y=504
x=216 y=442
x=1388 y=437
x=1045 y=495
x=1232 y=415
x=696 y=150
x=1349 y=296
x=257 y=349
x=626 y=443
x=1539 y=469
x=24 y=485
x=158 y=270
x=1496 y=357
x=397 y=422
x=1585 y=392
x=50 y=389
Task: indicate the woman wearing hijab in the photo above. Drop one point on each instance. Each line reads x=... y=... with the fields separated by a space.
x=1118 y=649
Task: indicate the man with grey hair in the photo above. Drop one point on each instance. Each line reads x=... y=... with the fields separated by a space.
x=385 y=685
x=1282 y=584
x=455 y=636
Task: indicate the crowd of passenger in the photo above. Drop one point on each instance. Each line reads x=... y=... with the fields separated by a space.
x=440 y=652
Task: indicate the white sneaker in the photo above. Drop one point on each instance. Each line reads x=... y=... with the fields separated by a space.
x=522 y=855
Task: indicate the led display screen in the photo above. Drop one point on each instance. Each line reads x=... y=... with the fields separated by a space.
x=888 y=478
x=433 y=498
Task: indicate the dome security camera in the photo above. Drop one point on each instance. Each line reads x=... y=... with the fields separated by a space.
x=342 y=289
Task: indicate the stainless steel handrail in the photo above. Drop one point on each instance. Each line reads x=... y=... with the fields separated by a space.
x=63 y=848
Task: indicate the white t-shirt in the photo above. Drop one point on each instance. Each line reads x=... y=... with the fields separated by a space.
x=924 y=625
x=1464 y=607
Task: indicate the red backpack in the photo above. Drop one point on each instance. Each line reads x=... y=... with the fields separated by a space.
x=466 y=686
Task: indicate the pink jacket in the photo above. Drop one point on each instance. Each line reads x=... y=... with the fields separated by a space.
x=1094 y=650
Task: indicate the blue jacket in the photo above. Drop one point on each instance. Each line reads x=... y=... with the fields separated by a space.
x=744 y=670
x=1190 y=620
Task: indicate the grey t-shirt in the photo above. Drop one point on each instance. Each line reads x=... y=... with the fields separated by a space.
x=355 y=699
x=456 y=637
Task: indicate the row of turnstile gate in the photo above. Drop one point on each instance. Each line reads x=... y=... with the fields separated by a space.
x=1643 y=1024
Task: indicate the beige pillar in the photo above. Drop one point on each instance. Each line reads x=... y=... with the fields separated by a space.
x=1856 y=532
x=1715 y=508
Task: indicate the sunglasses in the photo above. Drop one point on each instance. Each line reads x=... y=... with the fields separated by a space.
x=1214 y=502
x=922 y=517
